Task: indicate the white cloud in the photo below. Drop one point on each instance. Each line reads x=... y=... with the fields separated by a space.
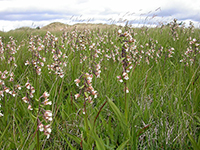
x=14 y=13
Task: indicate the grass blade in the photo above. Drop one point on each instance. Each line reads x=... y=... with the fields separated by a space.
x=121 y=147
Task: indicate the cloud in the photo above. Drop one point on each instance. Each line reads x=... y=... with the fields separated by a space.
x=104 y=11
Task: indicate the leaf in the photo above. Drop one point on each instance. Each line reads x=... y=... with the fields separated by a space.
x=99 y=142
x=121 y=147
x=194 y=144
x=117 y=112
x=198 y=141
x=4 y=132
x=141 y=131
x=32 y=146
x=69 y=144
x=76 y=139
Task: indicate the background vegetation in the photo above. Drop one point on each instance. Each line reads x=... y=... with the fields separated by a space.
x=107 y=87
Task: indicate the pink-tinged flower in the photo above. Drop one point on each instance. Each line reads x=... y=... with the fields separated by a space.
x=90 y=101
x=18 y=87
x=2 y=82
x=13 y=93
x=77 y=81
x=77 y=96
x=89 y=77
x=83 y=111
x=48 y=115
x=41 y=127
x=6 y=89
x=61 y=75
x=1 y=115
x=3 y=76
x=32 y=89
x=31 y=95
x=43 y=59
x=30 y=107
x=11 y=79
x=45 y=95
x=94 y=93
x=127 y=90
x=119 y=78
x=47 y=102
x=25 y=99
x=47 y=130
x=27 y=63
x=125 y=76
x=28 y=85
x=12 y=74
x=1 y=94
x=5 y=72
x=42 y=64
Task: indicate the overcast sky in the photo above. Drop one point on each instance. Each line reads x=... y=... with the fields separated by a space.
x=33 y=13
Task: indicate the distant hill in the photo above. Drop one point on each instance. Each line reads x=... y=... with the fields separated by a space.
x=57 y=26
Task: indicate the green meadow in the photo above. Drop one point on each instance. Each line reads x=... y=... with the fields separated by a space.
x=100 y=87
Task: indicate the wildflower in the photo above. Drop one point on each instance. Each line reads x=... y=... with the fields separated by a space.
x=19 y=87
x=13 y=93
x=3 y=76
x=6 y=89
x=1 y=94
x=25 y=99
x=119 y=31
x=89 y=77
x=1 y=115
x=125 y=75
x=41 y=127
x=28 y=85
x=2 y=82
x=32 y=89
x=11 y=79
x=127 y=90
x=31 y=95
x=47 y=102
x=48 y=115
x=83 y=111
x=61 y=75
x=47 y=130
x=45 y=95
x=94 y=93
x=27 y=63
x=119 y=78
x=77 y=81
x=77 y=96
x=30 y=107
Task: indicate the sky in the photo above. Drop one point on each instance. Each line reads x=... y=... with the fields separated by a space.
x=38 y=13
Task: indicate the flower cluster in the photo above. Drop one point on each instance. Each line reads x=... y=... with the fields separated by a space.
x=192 y=51
x=128 y=45
x=59 y=58
x=88 y=91
x=46 y=115
x=5 y=79
x=2 y=57
x=174 y=29
x=36 y=46
x=29 y=95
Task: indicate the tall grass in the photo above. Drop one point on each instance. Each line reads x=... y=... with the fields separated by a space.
x=156 y=107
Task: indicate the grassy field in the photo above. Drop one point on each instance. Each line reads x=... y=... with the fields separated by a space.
x=100 y=87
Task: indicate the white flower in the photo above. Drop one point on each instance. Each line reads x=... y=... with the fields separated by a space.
x=119 y=31
x=1 y=115
x=41 y=127
x=48 y=115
